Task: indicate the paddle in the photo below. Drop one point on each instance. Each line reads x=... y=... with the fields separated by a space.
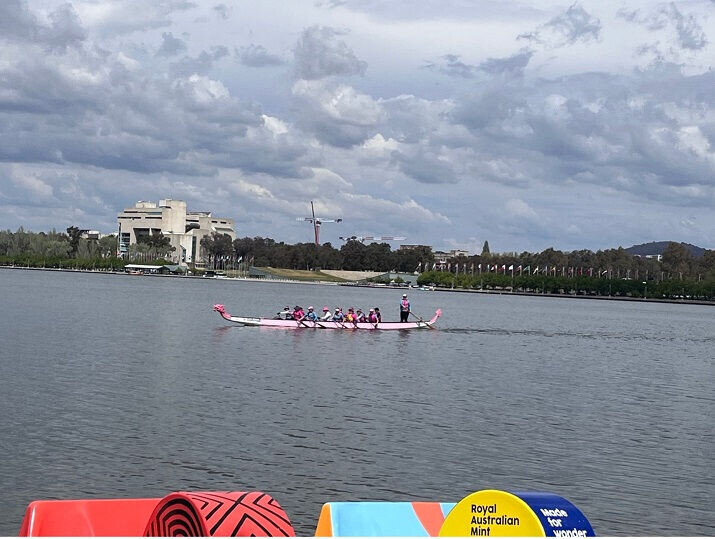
x=421 y=320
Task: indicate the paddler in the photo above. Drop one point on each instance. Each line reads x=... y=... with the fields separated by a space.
x=327 y=316
x=404 y=308
x=310 y=315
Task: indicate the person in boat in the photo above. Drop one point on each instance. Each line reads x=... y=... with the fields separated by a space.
x=378 y=314
x=298 y=313
x=338 y=316
x=361 y=316
x=285 y=314
x=351 y=317
x=311 y=316
x=372 y=317
x=327 y=315
x=404 y=308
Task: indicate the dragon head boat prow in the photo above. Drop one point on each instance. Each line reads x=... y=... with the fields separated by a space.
x=222 y=311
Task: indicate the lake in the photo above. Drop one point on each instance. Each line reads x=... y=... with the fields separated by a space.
x=130 y=386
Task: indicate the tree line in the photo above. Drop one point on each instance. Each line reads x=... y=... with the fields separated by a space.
x=70 y=249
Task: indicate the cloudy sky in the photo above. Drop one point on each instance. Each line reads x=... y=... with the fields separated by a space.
x=525 y=123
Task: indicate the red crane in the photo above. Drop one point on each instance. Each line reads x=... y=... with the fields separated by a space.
x=317 y=221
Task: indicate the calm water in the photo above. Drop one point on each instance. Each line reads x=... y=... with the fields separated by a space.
x=119 y=386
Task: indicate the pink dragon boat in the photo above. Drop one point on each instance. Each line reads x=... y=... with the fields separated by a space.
x=307 y=324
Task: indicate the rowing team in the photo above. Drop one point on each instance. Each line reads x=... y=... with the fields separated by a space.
x=353 y=316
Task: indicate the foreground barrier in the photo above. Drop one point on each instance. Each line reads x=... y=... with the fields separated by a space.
x=488 y=513
x=181 y=514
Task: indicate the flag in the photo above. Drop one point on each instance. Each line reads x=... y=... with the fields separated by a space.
x=419 y=267
x=449 y=267
x=511 y=268
x=536 y=270
x=434 y=266
x=528 y=268
x=519 y=268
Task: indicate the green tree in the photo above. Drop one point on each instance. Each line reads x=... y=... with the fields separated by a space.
x=485 y=249
x=74 y=234
x=677 y=260
x=216 y=246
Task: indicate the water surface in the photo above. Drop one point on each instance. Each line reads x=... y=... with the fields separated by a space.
x=124 y=386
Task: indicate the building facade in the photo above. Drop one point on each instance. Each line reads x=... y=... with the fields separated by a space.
x=184 y=229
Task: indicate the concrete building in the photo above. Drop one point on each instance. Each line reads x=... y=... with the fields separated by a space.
x=184 y=229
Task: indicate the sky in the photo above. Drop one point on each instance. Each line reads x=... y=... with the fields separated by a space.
x=528 y=124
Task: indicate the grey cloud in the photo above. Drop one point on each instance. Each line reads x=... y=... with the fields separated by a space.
x=513 y=65
x=135 y=122
x=451 y=65
x=335 y=114
x=689 y=33
x=170 y=45
x=17 y=23
x=127 y=16
x=200 y=64
x=607 y=130
x=424 y=164
x=257 y=56
x=319 y=54
x=222 y=10
x=572 y=26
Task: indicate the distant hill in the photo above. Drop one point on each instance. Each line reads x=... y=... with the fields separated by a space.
x=657 y=248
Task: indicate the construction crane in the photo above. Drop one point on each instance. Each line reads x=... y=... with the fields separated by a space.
x=317 y=221
x=362 y=239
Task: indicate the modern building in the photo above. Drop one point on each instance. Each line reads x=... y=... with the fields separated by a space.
x=184 y=229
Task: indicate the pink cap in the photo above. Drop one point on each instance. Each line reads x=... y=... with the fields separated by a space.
x=326 y=308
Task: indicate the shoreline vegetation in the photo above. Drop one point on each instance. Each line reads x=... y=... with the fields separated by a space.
x=677 y=273
x=681 y=300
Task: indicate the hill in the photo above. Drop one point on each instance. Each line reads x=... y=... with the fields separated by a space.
x=658 y=247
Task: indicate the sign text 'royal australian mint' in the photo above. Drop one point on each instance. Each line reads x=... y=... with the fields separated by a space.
x=495 y=513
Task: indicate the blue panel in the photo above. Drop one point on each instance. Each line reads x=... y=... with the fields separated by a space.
x=558 y=516
x=369 y=519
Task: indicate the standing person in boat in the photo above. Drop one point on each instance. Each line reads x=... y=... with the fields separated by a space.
x=327 y=315
x=404 y=308
x=311 y=316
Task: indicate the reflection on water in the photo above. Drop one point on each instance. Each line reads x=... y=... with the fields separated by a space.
x=113 y=386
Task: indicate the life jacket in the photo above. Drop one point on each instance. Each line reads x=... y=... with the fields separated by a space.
x=404 y=305
x=350 y=317
x=373 y=318
x=297 y=315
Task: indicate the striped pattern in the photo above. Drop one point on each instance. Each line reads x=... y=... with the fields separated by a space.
x=224 y=514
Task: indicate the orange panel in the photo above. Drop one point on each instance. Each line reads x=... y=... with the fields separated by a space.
x=75 y=518
x=325 y=524
x=430 y=515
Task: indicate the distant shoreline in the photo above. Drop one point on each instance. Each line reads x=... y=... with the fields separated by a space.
x=391 y=287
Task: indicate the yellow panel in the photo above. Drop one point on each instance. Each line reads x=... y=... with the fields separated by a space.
x=491 y=513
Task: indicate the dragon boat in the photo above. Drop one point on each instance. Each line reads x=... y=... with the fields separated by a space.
x=307 y=324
